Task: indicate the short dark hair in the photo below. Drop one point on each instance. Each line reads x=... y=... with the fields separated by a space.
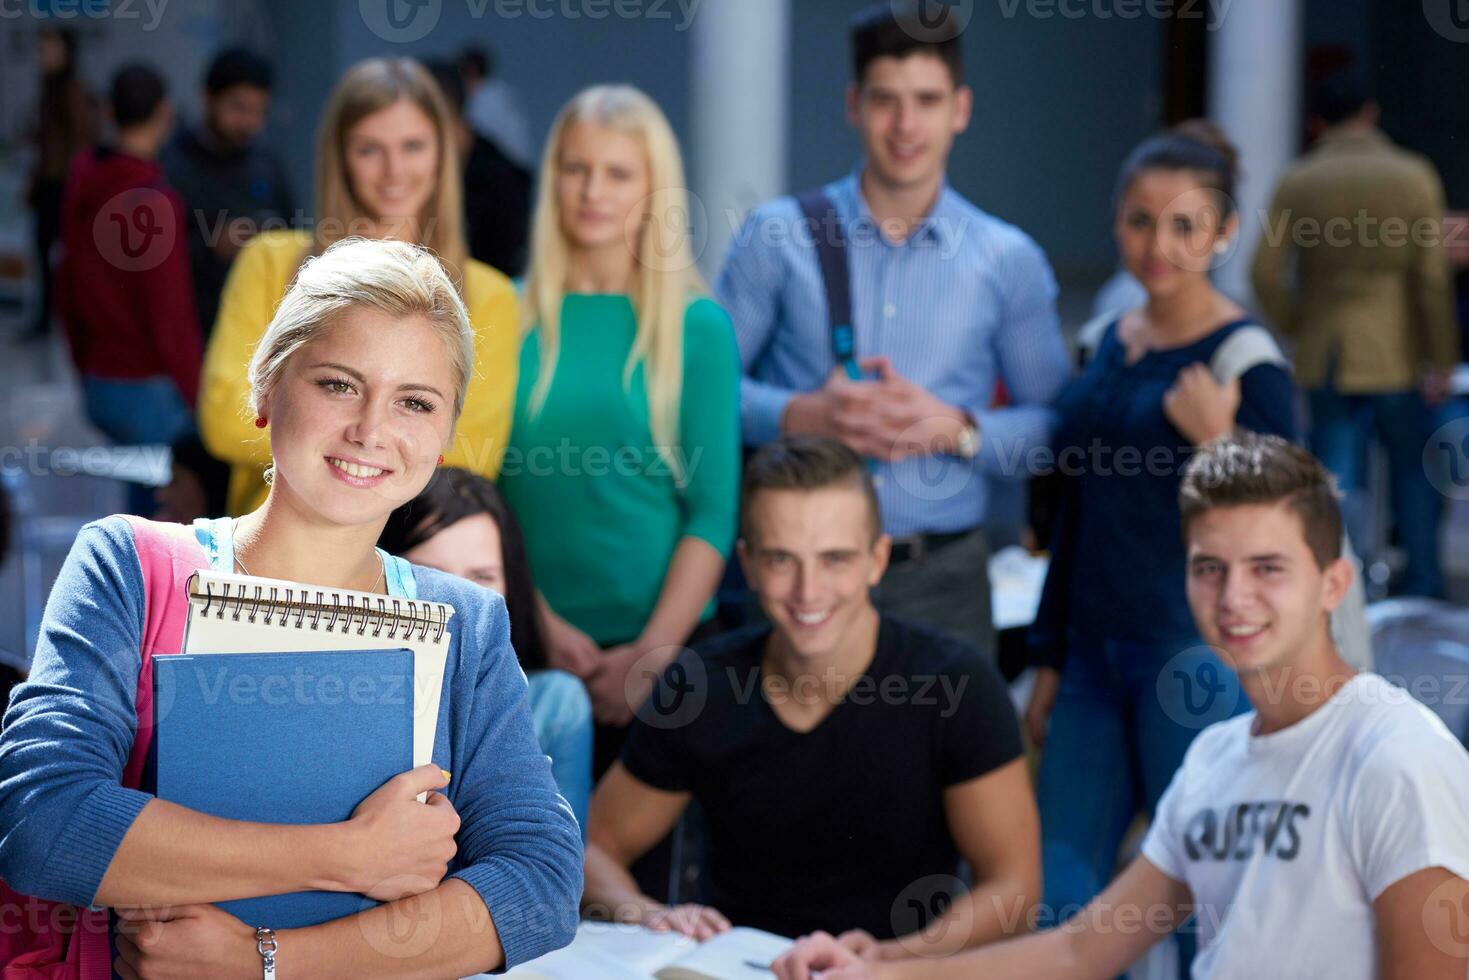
x=1247 y=468
x=238 y=66
x=137 y=90
x=899 y=28
x=1338 y=97
x=806 y=462
x=478 y=60
x=451 y=496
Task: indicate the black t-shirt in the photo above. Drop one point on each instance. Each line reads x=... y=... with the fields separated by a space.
x=829 y=829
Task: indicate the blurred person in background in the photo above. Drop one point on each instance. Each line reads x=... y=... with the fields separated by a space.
x=232 y=180
x=460 y=524
x=123 y=284
x=1352 y=270
x=946 y=302
x=492 y=107
x=497 y=190
x=386 y=167
x=1113 y=617
x=65 y=123
x=624 y=458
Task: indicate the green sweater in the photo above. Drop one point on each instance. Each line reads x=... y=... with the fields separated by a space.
x=602 y=511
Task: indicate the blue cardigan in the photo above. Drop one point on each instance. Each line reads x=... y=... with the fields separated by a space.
x=1117 y=558
x=69 y=729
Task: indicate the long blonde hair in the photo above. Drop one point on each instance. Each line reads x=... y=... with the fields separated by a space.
x=365 y=88
x=665 y=280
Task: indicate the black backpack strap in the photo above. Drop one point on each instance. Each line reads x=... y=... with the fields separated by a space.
x=831 y=257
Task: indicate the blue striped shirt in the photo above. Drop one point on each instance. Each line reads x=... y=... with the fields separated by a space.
x=964 y=301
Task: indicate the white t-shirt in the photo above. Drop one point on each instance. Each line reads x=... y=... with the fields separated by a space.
x=1286 y=839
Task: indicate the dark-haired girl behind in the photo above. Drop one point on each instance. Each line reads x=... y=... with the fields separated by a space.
x=462 y=525
x=1129 y=682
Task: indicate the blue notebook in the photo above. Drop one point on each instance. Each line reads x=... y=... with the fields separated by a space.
x=282 y=738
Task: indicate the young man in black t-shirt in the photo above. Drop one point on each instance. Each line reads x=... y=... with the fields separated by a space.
x=845 y=761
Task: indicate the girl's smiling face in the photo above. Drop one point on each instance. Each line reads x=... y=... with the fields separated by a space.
x=361 y=414
x=392 y=160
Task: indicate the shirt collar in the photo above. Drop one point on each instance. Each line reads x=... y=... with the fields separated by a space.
x=936 y=227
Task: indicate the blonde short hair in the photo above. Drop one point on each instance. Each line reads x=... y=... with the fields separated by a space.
x=395 y=278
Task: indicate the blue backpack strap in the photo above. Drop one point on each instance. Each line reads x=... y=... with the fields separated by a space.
x=831 y=257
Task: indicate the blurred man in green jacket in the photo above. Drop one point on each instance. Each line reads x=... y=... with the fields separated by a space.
x=1352 y=271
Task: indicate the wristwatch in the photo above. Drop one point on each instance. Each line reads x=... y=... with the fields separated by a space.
x=267 y=947
x=970 y=439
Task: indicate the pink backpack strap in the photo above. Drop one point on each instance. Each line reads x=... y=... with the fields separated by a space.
x=168 y=555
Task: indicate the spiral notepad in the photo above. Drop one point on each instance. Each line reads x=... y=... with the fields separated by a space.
x=231 y=613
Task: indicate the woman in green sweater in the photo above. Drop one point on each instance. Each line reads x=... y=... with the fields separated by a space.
x=624 y=453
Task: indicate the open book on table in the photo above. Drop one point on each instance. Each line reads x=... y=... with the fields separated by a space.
x=607 y=951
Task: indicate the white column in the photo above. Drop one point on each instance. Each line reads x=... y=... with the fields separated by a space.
x=740 y=89
x=1255 y=68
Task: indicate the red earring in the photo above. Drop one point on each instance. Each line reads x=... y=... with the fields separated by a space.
x=260 y=423
x=441 y=459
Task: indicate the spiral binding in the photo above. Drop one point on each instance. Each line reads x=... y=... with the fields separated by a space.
x=310 y=607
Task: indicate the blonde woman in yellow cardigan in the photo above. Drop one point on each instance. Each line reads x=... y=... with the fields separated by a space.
x=385 y=168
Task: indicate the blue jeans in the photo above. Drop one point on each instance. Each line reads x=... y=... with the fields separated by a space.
x=1125 y=715
x=1342 y=427
x=561 y=714
x=137 y=412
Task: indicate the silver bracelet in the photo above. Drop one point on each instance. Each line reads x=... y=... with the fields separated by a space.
x=266 y=946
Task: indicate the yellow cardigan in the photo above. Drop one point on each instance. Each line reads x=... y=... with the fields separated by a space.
x=256 y=283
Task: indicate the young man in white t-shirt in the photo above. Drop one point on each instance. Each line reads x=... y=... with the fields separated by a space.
x=1324 y=835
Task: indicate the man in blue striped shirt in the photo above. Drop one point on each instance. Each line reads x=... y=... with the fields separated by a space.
x=946 y=300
